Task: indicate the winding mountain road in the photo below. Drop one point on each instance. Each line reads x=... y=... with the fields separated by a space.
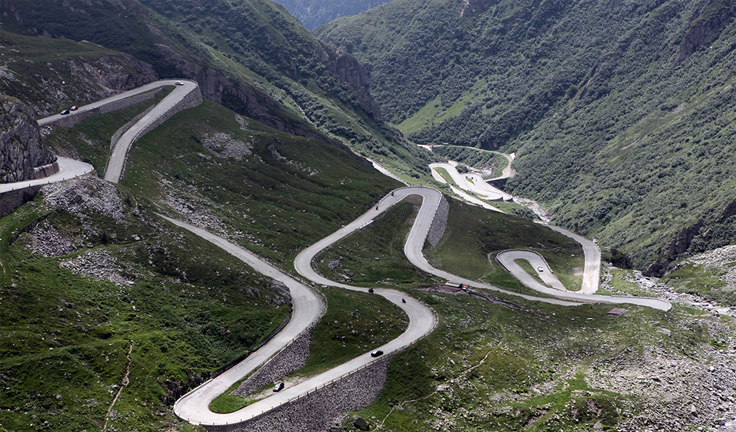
x=308 y=306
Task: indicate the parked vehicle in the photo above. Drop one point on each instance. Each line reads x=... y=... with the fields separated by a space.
x=279 y=386
x=377 y=353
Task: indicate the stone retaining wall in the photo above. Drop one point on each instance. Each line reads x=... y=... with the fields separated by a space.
x=321 y=410
x=72 y=119
x=439 y=223
x=9 y=201
x=290 y=359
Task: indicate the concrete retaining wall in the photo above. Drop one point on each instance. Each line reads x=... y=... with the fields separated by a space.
x=319 y=411
x=439 y=223
x=118 y=133
x=74 y=118
x=46 y=170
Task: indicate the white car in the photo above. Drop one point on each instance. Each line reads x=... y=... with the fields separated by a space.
x=540 y=269
x=179 y=83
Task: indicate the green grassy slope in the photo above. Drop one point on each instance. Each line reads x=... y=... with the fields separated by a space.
x=276 y=194
x=181 y=311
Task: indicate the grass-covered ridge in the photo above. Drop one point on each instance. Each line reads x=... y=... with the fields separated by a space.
x=272 y=192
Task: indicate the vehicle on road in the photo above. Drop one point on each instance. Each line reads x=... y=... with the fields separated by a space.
x=65 y=112
x=370 y=290
x=403 y=300
x=540 y=269
x=377 y=353
x=279 y=386
x=74 y=108
x=179 y=83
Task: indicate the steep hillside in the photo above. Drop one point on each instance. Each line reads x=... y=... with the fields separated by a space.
x=314 y=13
x=620 y=113
x=249 y=55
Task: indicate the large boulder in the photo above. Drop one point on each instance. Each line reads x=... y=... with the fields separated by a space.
x=21 y=145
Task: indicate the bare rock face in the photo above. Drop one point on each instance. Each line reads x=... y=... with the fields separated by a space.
x=21 y=146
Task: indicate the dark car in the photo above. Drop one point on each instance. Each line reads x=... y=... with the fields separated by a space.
x=279 y=386
x=377 y=353
x=65 y=112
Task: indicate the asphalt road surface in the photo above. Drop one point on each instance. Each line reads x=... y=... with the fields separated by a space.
x=119 y=152
x=307 y=305
x=68 y=169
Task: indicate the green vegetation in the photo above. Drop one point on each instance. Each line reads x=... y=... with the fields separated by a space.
x=272 y=192
x=354 y=324
x=374 y=256
x=621 y=114
x=491 y=162
x=477 y=371
x=289 y=79
x=474 y=236
x=621 y=282
x=96 y=133
x=314 y=13
x=180 y=310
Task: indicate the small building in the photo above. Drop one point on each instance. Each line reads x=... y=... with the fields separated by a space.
x=616 y=312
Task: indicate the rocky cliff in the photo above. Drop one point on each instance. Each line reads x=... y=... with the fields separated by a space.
x=21 y=146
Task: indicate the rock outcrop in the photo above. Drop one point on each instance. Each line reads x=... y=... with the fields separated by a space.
x=21 y=146
x=350 y=72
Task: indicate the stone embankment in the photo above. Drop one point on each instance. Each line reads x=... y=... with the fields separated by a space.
x=9 y=201
x=290 y=359
x=74 y=118
x=439 y=223
x=322 y=409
